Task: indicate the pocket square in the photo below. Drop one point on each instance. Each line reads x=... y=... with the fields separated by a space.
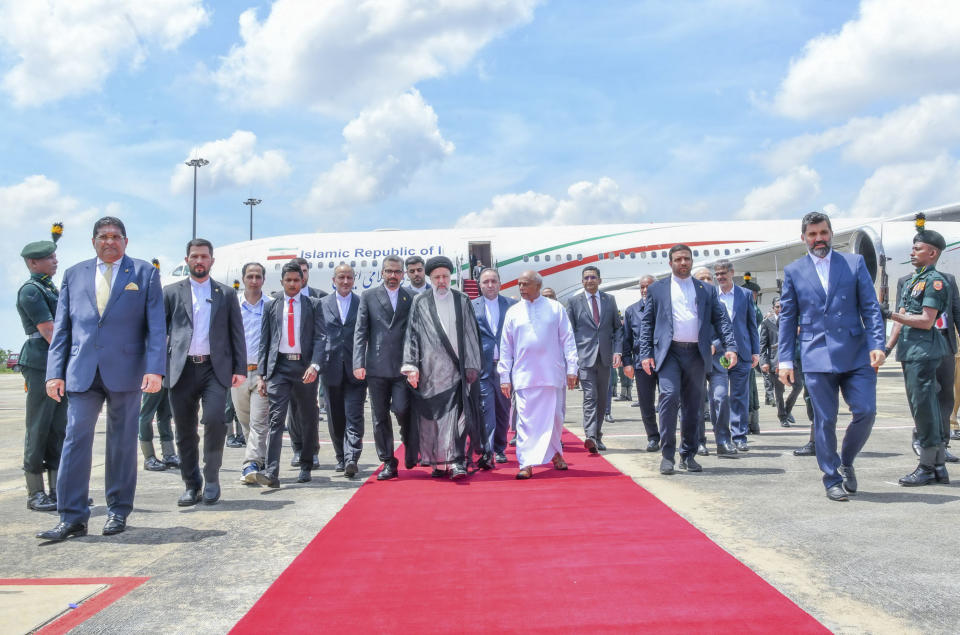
x=131 y=286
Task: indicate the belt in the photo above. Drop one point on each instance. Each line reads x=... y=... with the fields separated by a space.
x=684 y=344
x=293 y=357
x=252 y=367
x=35 y=336
x=198 y=359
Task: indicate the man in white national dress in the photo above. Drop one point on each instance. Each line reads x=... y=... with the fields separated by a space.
x=538 y=360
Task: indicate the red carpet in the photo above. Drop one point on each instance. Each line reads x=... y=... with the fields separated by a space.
x=585 y=551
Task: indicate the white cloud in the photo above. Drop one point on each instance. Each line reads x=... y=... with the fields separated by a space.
x=787 y=193
x=893 y=49
x=587 y=203
x=338 y=55
x=386 y=145
x=915 y=131
x=233 y=162
x=65 y=48
x=905 y=187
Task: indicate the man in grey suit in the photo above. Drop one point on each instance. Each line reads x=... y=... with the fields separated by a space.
x=344 y=392
x=377 y=357
x=207 y=355
x=292 y=350
x=599 y=334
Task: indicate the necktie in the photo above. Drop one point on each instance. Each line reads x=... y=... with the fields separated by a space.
x=291 y=338
x=596 y=309
x=103 y=287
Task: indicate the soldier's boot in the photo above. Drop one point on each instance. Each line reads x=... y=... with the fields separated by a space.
x=924 y=474
x=940 y=467
x=37 y=499
x=150 y=461
x=170 y=458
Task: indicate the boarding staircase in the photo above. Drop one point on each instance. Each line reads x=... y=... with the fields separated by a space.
x=471 y=288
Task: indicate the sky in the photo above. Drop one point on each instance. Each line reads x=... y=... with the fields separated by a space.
x=352 y=115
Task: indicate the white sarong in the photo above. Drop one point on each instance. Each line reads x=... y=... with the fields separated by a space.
x=539 y=424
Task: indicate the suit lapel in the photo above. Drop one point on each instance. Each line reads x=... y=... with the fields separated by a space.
x=186 y=297
x=502 y=301
x=812 y=278
x=837 y=266
x=702 y=292
x=354 y=306
x=90 y=280
x=330 y=305
x=306 y=320
x=216 y=299
x=403 y=305
x=384 y=298
x=122 y=272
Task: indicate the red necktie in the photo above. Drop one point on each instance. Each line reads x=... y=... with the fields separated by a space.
x=291 y=339
x=596 y=309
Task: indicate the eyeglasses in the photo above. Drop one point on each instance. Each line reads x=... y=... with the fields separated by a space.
x=393 y=272
x=103 y=238
x=591 y=277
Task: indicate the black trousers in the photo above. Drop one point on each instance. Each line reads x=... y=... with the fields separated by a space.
x=46 y=422
x=646 y=393
x=390 y=394
x=946 y=373
x=198 y=384
x=785 y=406
x=284 y=388
x=345 y=419
x=293 y=427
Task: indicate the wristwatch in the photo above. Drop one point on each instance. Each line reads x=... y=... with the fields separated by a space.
x=315 y=367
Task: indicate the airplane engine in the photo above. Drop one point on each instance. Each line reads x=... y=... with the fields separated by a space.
x=866 y=242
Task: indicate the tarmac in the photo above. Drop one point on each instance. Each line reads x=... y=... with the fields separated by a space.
x=883 y=563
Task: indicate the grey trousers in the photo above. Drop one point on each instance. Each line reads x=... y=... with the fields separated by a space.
x=595 y=381
x=253 y=412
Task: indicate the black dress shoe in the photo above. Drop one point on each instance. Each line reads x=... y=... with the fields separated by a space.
x=849 y=479
x=635 y=404
x=512 y=442
x=940 y=473
x=950 y=458
x=171 y=460
x=653 y=445
x=350 y=469
x=295 y=460
x=211 y=493
x=689 y=464
x=188 y=498
x=955 y=435
x=790 y=418
x=115 y=524
x=703 y=450
x=837 y=493
x=388 y=472
x=806 y=449
x=601 y=446
x=458 y=471
x=666 y=466
x=304 y=476
x=40 y=502
x=608 y=418
x=234 y=442
x=63 y=531
x=438 y=473
x=923 y=475
x=727 y=451
x=339 y=467
x=591 y=446
x=742 y=446
x=784 y=423
x=268 y=481
x=485 y=462
x=316 y=462
x=501 y=457
x=153 y=465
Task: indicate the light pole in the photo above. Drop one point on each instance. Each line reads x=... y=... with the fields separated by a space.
x=195 y=163
x=251 y=202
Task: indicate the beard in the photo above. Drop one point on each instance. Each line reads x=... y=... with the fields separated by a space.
x=820 y=249
x=440 y=293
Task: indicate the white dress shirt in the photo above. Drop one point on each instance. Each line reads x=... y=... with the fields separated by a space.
x=683 y=299
x=202 y=305
x=590 y=302
x=102 y=269
x=393 y=295
x=493 y=320
x=284 y=331
x=822 y=265
x=728 y=299
x=344 y=303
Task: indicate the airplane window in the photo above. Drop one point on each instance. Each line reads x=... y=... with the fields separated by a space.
x=736 y=251
x=353 y=263
x=622 y=255
x=547 y=258
x=536 y=258
x=643 y=255
x=373 y=264
x=663 y=254
x=695 y=253
x=579 y=256
x=557 y=258
x=653 y=254
x=277 y=266
x=633 y=255
x=363 y=263
x=526 y=258
x=726 y=252
x=716 y=252
x=569 y=257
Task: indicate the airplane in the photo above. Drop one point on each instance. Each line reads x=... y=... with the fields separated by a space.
x=624 y=253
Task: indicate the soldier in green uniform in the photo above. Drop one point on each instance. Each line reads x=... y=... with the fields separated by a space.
x=46 y=420
x=920 y=350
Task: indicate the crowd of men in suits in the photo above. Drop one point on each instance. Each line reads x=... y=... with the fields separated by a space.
x=432 y=358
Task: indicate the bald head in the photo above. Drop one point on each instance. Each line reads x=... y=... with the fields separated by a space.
x=529 y=283
x=343 y=279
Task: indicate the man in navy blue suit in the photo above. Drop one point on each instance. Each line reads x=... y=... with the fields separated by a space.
x=829 y=298
x=676 y=335
x=734 y=388
x=108 y=344
x=490 y=309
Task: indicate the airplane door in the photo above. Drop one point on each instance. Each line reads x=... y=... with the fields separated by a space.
x=480 y=253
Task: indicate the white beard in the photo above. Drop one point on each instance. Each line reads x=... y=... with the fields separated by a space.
x=440 y=293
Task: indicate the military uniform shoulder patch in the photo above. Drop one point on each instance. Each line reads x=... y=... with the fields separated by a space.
x=937 y=285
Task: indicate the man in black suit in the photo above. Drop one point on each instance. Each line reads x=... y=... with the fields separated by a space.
x=295 y=433
x=947 y=325
x=769 y=362
x=377 y=357
x=646 y=384
x=344 y=392
x=599 y=334
x=207 y=354
x=292 y=349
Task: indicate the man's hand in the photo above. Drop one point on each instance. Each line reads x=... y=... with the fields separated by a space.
x=877 y=358
x=151 y=383
x=261 y=387
x=765 y=368
x=786 y=376
x=648 y=365
x=731 y=357
x=413 y=379
x=617 y=360
x=628 y=372
x=505 y=389
x=713 y=349
x=310 y=375
x=55 y=389
x=360 y=373
x=238 y=380
x=471 y=375
x=885 y=311
x=756 y=360
x=571 y=381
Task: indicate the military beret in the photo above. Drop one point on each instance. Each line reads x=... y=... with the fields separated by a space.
x=38 y=249
x=436 y=262
x=932 y=238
